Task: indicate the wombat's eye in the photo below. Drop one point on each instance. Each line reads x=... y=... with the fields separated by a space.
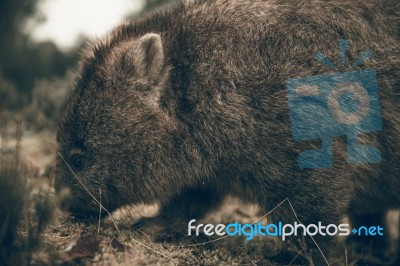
x=78 y=162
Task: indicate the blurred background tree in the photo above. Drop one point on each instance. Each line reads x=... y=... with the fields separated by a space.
x=151 y=4
x=21 y=61
x=32 y=72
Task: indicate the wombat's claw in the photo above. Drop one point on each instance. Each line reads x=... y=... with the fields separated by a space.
x=147 y=225
x=156 y=230
x=138 y=225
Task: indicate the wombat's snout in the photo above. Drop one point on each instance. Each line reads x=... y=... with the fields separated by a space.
x=73 y=200
x=71 y=193
x=78 y=207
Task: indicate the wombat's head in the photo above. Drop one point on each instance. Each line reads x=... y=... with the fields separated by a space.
x=115 y=137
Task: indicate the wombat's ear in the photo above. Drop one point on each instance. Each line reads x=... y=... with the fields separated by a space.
x=148 y=56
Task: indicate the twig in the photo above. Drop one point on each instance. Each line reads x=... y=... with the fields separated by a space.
x=297 y=255
x=98 y=227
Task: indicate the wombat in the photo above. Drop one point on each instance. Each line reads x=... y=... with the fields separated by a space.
x=190 y=104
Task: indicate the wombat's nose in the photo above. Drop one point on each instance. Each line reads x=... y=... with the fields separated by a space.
x=81 y=209
x=63 y=195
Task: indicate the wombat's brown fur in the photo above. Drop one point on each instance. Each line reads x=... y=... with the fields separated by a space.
x=188 y=105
